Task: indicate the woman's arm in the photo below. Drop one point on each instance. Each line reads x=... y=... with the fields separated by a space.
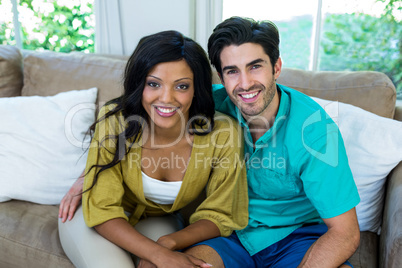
x=121 y=233
x=192 y=234
x=71 y=200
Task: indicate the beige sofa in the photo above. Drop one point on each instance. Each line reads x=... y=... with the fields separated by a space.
x=28 y=231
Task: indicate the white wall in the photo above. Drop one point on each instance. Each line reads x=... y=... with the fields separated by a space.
x=120 y=24
x=140 y=18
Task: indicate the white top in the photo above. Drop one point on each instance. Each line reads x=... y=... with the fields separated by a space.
x=160 y=192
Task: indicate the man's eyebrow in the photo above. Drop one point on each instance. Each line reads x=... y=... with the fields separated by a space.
x=255 y=62
x=230 y=67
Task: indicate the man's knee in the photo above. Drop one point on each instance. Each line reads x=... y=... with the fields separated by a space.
x=207 y=254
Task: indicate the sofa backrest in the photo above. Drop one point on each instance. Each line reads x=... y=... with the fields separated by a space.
x=10 y=71
x=372 y=91
x=48 y=73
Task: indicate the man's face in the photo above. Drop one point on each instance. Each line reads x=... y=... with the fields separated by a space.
x=249 y=78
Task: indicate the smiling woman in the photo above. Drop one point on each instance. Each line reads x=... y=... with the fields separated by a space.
x=154 y=150
x=168 y=94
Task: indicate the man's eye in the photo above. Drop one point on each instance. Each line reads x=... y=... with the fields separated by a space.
x=231 y=72
x=256 y=66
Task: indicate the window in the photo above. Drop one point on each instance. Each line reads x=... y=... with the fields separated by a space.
x=349 y=34
x=62 y=25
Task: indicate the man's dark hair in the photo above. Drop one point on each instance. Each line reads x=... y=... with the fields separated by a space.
x=237 y=31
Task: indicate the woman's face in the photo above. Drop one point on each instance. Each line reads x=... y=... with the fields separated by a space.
x=168 y=94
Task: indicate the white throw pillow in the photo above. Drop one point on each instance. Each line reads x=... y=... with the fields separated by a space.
x=374 y=147
x=42 y=144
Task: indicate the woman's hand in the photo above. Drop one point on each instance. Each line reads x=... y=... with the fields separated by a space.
x=175 y=259
x=145 y=264
x=71 y=200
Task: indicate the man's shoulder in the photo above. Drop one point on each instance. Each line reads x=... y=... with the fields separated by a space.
x=222 y=101
x=219 y=94
x=307 y=120
x=301 y=106
x=300 y=102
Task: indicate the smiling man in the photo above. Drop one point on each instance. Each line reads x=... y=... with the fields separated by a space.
x=302 y=211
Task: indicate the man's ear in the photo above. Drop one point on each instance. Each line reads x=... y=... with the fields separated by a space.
x=278 y=68
x=221 y=78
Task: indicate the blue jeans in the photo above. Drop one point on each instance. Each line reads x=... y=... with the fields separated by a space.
x=288 y=252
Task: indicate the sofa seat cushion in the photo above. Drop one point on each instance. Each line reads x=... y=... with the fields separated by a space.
x=29 y=236
x=10 y=71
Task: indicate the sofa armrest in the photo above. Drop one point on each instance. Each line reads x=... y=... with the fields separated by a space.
x=391 y=233
x=398 y=112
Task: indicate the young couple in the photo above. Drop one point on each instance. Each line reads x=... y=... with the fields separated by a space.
x=299 y=213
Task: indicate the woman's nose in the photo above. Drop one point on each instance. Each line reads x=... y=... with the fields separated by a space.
x=167 y=95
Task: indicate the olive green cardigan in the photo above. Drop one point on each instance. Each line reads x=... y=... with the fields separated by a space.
x=216 y=165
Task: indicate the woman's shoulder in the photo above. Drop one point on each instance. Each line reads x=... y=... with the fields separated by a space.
x=106 y=109
x=226 y=130
x=109 y=120
x=225 y=121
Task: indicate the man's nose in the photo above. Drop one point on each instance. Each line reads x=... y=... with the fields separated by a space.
x=246 y=81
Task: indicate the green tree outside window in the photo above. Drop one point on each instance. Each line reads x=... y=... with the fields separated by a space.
x=62 y=25
x=363 y=42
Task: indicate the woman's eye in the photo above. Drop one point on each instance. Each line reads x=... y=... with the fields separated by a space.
x=153 y=84
x=183 y=87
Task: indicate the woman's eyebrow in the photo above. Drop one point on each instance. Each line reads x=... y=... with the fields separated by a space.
x=184 y=78
x=177 y=80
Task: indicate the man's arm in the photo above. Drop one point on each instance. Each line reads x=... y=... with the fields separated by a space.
x=337 y=245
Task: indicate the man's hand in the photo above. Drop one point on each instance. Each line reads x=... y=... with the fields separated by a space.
x=71 y=200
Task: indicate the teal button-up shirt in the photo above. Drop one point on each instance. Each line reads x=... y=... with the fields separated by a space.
x=297 y=172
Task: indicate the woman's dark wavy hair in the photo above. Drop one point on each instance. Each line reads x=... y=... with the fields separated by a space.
x=151 y=50
x=237 y=31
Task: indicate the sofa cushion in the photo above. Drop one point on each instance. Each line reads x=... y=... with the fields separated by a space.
x=371 y=91
x=10 y=71
x=366 y=255
x=29 y=236
x=48 y=73
x=44 y=142
x=374 y=147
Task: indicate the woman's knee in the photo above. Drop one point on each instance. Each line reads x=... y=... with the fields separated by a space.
x=86 y=248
